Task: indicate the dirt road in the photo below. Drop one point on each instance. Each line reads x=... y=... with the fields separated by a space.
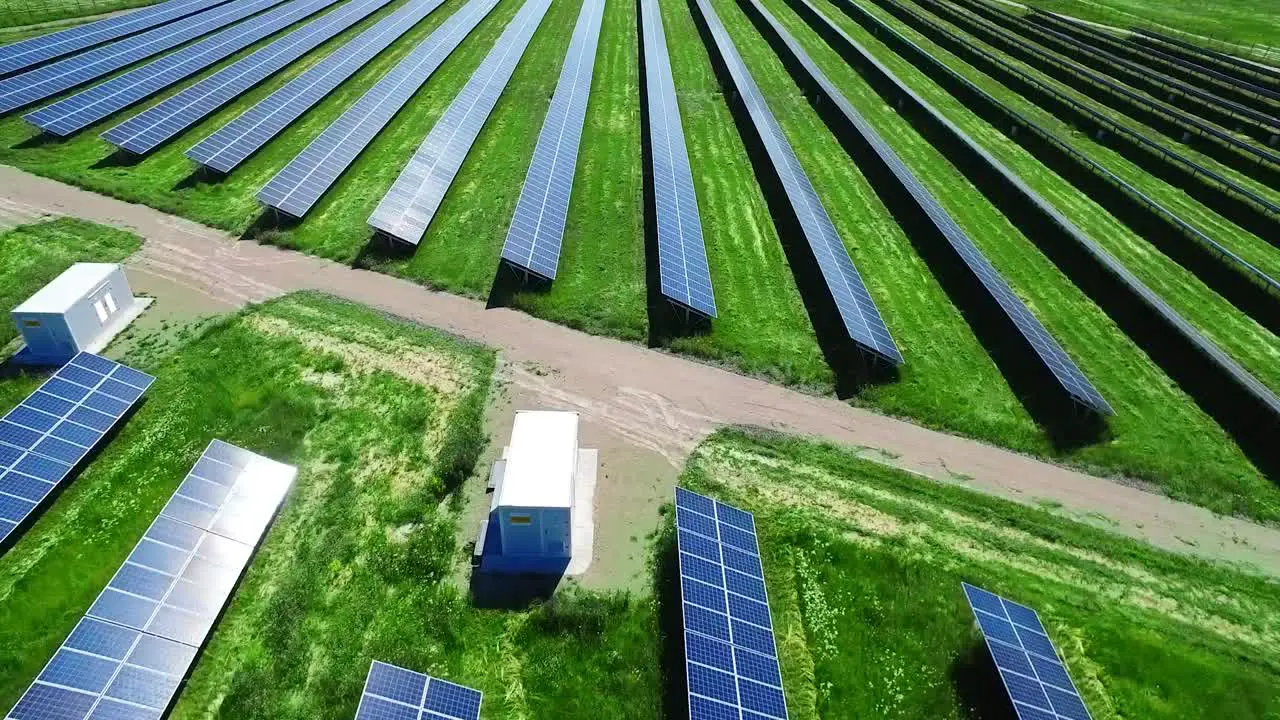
x=653 y=401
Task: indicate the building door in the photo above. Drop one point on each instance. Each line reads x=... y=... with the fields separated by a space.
x=521 y=534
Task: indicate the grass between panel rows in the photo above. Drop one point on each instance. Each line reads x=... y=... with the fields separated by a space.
x=1243 y=23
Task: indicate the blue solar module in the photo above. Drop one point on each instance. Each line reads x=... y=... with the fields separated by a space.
x=48 y=80
x=731 y=658
x=240 y=138
x=1051 y=355
x=391 y=693
x=684 y=276
x=297 y=187
x=25 y=53
x=857 y=310
x=89 y=106
x=408 y=207
x=47 y=434
x=149 y=129
x=537 y=226
x=1033 y=674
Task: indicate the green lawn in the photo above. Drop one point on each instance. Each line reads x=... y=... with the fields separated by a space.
x=1239 y=22
x=29 y=12
x=32 y=255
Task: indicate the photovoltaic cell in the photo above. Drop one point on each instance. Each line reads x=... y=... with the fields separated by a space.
x=89 y=106
x=25 y=53
x=240 y=138
x=537 y=227
x=408 y=207
x=299 y=185
x=157 y=124
x=858 y=311
x=47 y=434
x=684 y=276
x=48 y=80
x=1033 y=674
x=391 y=693
x=730 y=654
x=1068 y=375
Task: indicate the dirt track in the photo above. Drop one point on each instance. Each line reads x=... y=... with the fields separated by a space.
x=653 y=401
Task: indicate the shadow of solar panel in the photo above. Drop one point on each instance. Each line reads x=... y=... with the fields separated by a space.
x=240 y=138
x=25 y=53
x=409 y=205
x=537 y=226
x=53 y=429
x=155 y=125
x=1032 y=672
x=683 y=274
x=299 y=185
x=43 y=82
x=730 y=652
x=391 y=693
x=1050 y=353
x=89 y=106
x=860 y=316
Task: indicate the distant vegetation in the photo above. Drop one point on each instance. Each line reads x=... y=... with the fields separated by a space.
x=15 y=13
x=1244 y=23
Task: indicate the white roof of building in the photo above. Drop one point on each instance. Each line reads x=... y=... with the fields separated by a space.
x=65 y=290
x=541 y=460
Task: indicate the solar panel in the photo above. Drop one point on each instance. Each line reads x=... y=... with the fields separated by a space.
x=297 y=187
x=393 y=693
x=157 y=124
x=48 y=80
x=89 y=106
x=408 y=207
x=537 y=226
x=25 y=53
x=1033 y=674
x=50 y=432
x=684 y=276
x=731 y=658
x=1047 y=349
x=858 y=311
x=240 y=138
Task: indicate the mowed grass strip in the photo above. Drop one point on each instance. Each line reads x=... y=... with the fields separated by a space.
x=871 y=559
x=1157 y=434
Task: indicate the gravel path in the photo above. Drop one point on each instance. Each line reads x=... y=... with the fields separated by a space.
x=660 y=403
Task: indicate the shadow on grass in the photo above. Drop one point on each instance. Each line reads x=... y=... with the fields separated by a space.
x=666 y=583
x=978 y=685
x=202 y=175
x=119 y=159
x=510 y=281
x=39 y=140
x=494 y=591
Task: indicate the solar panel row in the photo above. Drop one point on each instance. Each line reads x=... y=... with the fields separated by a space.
x=684 y=276
x=858 y=311
x=42 y=82
x=47 y=434
x=408 y=207
x=393 y=693
x=25 y=53
x=299 y=185
x=126 y=658
x=149 y=129
x=537 y=226
x=240 y=138
x=89 y=106
x=1033 y=673
x=731 y=658
x=1050 y=353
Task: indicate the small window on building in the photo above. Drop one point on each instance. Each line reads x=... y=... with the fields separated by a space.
x=102 y=311
x=110 y=301
x=31 y=323
x=518 y=519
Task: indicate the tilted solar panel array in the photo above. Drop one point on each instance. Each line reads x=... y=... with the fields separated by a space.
x=1033 y=673
x=731 y=658
x=537 y=226
x=683 y=274
x=149 y=129
x=126 y=658
x=89 y=106
x=25 y=53
x=46 y=435
x=1051 y=354
x=393 y=693
x=858 y=311
x=48 y=80
x=408 y=207
x=240 y=138
x=299 y=185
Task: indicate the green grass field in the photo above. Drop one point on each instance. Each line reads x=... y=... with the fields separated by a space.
x=1239 y=22
x=29 y=12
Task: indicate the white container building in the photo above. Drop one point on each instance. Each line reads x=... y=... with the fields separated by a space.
x=534 y=502
x=80 y=310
